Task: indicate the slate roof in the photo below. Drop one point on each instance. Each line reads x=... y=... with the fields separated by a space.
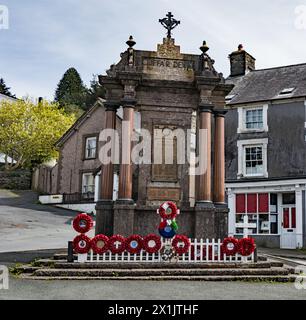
x=266 y=84
x=79 y=122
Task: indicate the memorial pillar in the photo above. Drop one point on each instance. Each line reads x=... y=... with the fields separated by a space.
x=104 y=206
x=125 y=177
x=124 y=208
x=219 y=158
x=204 y=180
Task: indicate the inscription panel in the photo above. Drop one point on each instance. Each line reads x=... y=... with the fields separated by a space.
x=158 y=193
x=165 y=172
x=168 y=69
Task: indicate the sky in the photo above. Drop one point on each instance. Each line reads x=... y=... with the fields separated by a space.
x=46 y=37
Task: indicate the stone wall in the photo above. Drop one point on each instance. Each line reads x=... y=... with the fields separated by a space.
x=44 y=179
x=19 y=179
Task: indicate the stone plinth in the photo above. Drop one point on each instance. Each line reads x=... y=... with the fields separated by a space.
x=124 y=218
x=104 y=217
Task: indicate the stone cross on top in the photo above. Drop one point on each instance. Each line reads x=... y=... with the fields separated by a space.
x=169 y=23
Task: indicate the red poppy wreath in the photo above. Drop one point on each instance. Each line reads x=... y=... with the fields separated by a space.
x=151 y=243
x=81 y=244
x=99 y=244
x=181 y=244
x=116 y=244
x=82 y=223
x=229 y=246
x=134 y=244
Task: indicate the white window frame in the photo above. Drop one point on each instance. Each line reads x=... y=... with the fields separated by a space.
x=86 y=147
x=83 y=182
x=242 y=119
x=242 y=145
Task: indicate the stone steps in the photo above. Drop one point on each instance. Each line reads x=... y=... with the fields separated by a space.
x=253 y=278
x=59 y=269
x=157 y=272
x=158 y=265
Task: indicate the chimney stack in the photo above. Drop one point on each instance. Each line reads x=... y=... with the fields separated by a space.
x=241 y=62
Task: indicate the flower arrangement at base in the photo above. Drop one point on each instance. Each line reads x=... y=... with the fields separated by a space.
x=229 y=246
x=99 y=244
x=81 y=244
x=82 y=223
x=168 y=210
x=181 y=244
x=116 y=244
x=246 y=246
x=151 y=243
x=166 y=230
x=134 y=244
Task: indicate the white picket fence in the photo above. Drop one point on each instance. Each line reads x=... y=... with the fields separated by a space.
x=199 y=251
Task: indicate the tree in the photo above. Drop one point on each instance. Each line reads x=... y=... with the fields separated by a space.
x=71 y=91
x=28 y=131
x=5 y=90
x=94 y=92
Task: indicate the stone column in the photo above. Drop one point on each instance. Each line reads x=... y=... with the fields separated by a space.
x=222 y=211
x=204 y=195
x=104 y=206
x=124 y=208
x=219 y=158
x=125 y=177
x=204 y=208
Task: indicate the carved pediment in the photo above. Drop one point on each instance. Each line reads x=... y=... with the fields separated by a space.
x=168 y=49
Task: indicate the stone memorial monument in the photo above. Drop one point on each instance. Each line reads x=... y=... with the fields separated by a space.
x=172 y=91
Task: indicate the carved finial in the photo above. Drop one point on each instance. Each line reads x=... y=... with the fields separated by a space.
x=131 y=42
x=240 y=47
x=130 y=51
x=169 y=23
x=204 y=47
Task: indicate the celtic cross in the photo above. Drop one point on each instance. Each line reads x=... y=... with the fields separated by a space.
x=169 y=23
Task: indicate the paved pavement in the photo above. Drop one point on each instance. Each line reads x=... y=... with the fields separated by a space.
x=27 y=225
x=148 y=290
x=286 y=253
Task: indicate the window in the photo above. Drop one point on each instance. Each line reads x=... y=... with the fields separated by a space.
x=229 y=97
x=253 y=161
x=286 y=91
x=90 y=147
x=88 y=185
x=253 y=118
x=260 y=210
x=252 y=158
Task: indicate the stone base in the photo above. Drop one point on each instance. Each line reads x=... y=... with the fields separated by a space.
x=221 y=220
x=104 y=217
x=205 y=220
x=124 y=218
x=210 y=221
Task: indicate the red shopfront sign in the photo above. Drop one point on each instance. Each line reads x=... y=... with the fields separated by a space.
x=252 y=203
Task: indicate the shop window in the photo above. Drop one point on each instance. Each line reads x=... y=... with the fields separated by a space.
x=274 y=223
x=240 y=203
x=252 y=203
x=261 y=209
x=273 y=202
x=263 y=202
